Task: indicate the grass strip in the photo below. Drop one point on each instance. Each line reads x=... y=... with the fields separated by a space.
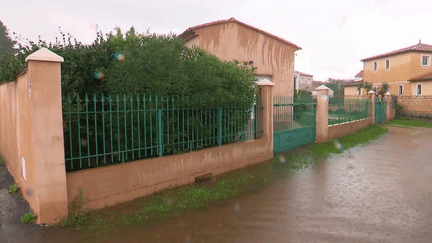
x=319 y=152
x=411 y=122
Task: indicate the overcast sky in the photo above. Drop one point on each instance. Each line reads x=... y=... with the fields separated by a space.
x=334 y=35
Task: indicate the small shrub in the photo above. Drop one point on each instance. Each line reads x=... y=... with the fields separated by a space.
x=399 y=110
x=28 y=218
x=13 y=189
x=79 y=214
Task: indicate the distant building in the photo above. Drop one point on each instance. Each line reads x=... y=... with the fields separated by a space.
x=303 y=81
x=359 y=76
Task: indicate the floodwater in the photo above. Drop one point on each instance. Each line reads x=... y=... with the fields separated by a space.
x=377 y=193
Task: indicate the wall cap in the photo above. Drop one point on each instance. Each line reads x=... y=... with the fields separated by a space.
x=265 y=82
x=45 y=55
x=323 y=87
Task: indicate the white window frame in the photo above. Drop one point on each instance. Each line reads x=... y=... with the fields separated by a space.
x=387 y=60
x=400 y=88
x=375 y=66
x=428 y=60
x=421 y=89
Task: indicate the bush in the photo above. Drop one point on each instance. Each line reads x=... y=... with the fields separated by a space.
x=28 y=218
x=399 y=110
x=13 y=189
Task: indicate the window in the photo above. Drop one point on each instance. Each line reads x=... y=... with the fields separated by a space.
x=387 y=64
x=419 y=89
x=425 y=61
x=375 y=67
x=400 y=90
x=358 y=92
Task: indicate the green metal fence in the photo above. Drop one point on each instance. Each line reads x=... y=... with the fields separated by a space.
x=103 y=130
x=342 y=109
x=291 y=112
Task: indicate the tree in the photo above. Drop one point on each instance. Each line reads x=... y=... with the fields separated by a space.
x=367 y=86
x=337 y=85
x=6 y=43
x=383 y=89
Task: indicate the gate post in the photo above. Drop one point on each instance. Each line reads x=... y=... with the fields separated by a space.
x=388 y=105
x=266 y=87
x=372 y=97
x=45 y=159
x=322 y=114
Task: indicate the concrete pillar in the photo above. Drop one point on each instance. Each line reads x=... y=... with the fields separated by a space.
x=322 y=114
x=388 y=105
x=266 y=87
x=44 y=91
x=372 y=97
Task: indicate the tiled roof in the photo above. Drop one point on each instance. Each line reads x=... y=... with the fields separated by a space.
x=423 y=77
x=360 y=74
x=303 y=74
x=354 y=83
x=191 y=29
x=415 y=48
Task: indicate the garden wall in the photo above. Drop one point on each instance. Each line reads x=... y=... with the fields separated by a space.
x=108 y=185
x=31 y=135
x=340 y=130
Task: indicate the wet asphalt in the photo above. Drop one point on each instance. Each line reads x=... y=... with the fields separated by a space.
x=381 y=192
x=12 y=207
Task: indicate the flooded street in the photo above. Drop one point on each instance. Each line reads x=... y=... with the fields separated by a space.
x=378 y=193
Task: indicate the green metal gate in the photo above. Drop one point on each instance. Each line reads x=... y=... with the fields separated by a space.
x=380 y=111
x=293 y=122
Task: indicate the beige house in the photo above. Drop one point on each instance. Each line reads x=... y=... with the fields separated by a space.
x=230 y=39
x=351 y=89
x=407 y=70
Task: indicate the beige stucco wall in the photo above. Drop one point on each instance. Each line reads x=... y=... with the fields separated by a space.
x=426 y=88
x=31 y=135
x=109 y=185
x=400 y=69
x=16 y=136
x=271 y=57
x=416 y=105
x=340 y=130
x=352 y=91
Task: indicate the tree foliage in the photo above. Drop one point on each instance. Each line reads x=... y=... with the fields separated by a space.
x=337 y=85
x=367 y=86
x=140 y=63
x=6 y=43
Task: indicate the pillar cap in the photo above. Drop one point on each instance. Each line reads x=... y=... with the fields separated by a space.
x=45 y=55
x=265 y=82
x=323 y=87
x=371 y=92
x=388 y=93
